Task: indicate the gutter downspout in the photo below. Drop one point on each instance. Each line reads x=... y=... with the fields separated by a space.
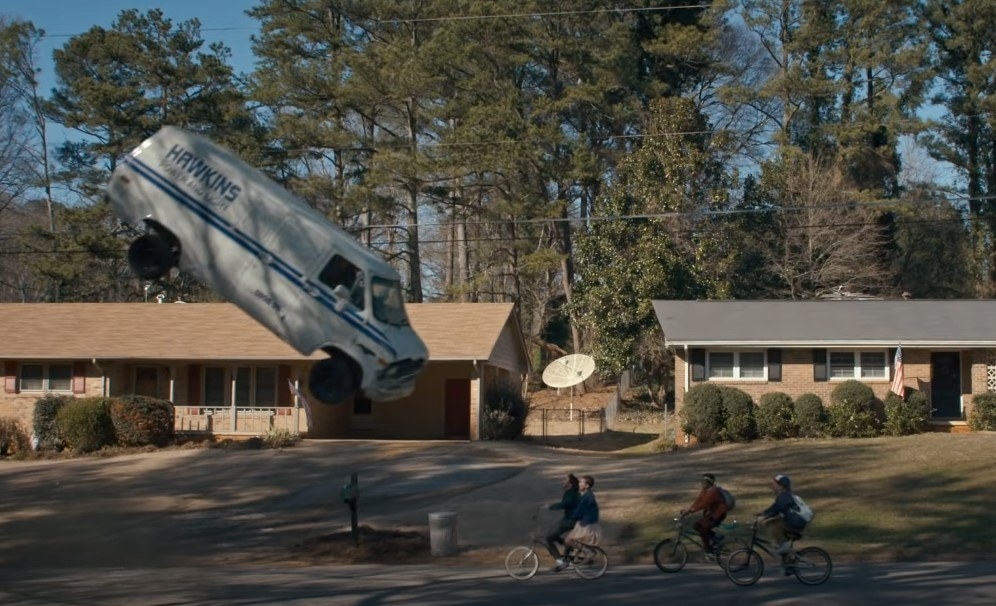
x=688 y=380
x=103 y=378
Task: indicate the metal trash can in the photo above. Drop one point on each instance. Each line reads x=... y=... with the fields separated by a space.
x=443 y=533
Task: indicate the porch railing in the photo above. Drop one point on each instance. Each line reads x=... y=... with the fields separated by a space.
x=237 y=420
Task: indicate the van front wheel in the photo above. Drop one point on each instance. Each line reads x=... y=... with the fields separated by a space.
x=150 y=256
x=332 y=380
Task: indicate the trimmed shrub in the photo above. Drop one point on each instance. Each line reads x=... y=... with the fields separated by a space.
x=906 y=417
x=851 y=413
x=505 y=412
x=739 y=422
x=703 y=414
x=85 y=424
x=811 y=415
x=13 y=437
x=983 y=415
x=278 y=437
x=142 y=421
x=44 y=424
x=776 y=416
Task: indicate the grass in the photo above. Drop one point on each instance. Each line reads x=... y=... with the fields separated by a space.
x=924 y=497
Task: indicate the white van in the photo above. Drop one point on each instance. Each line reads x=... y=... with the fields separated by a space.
x=207 y=212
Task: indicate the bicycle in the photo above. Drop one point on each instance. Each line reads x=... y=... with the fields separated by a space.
x=671 y=555
x=811 y=565
x=588 y=561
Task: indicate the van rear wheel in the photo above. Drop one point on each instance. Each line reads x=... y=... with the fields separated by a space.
x=332 y=380
x=150 y=256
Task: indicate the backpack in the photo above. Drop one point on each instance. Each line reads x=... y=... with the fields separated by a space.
x=803 y=510
x=731 y=501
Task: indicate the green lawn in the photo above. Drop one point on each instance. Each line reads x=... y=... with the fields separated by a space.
x=924 y=497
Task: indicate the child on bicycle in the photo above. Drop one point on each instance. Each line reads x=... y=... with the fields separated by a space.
x=586 y=527
x=713 y=506
x=782 y=519
x=568 y=503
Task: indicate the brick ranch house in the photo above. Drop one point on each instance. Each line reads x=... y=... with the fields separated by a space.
x=227 y=375
x=949 y=347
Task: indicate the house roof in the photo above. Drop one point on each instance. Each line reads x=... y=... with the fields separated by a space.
x=952 y=323
x=192 y=331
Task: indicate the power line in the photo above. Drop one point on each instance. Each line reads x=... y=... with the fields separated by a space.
x=651 y=9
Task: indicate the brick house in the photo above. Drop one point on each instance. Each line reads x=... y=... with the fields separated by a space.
x=226 y=374
x=949 y=347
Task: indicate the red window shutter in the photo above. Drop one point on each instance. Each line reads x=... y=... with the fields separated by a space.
x=283 y=389
x=79 y=377
x=194 y=384
x=10 y=377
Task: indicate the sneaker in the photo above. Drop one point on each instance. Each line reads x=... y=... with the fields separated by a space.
x=784 y=548
x=560 y=565
x=710 y=556
x=789 y=571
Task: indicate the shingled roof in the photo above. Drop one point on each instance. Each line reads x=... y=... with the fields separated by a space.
x=931 y=323
x=204 y=331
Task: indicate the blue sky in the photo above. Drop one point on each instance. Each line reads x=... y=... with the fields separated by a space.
x=221 y=21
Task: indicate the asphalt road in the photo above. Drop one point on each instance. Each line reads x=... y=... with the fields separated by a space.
x=875 y=584
x=199 y=527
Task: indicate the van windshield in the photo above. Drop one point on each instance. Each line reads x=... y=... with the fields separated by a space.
x=388 y=303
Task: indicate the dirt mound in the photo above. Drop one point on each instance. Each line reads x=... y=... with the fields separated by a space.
x=372 y=546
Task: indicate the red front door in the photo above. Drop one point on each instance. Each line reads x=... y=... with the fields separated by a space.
x=457 y=408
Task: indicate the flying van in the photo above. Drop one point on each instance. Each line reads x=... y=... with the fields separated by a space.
x=201 y=208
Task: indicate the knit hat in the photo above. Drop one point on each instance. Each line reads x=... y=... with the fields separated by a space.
x=783 y=481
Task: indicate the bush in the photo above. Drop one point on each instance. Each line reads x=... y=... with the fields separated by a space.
x=85 y=424
x=505 y=412
x=280 y=438
x=703 y=414
x=851 y=413
x=739 y=423
x=142 y=421
x=14 y=437
x=983 y=415
x=906 y=417
x=810 y=415
x=44 y=423
x=776 y=416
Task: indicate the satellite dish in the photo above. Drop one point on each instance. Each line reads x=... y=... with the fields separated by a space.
x=568 y=370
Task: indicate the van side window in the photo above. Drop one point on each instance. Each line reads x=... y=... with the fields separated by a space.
x=340 y=271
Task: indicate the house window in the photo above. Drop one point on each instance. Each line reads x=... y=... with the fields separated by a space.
x=737 y=365
x=253 y=386
x=858 y=365
x=46 y=377
x=362 y=405
x=214 y=386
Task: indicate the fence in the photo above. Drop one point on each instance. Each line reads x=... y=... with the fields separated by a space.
x=562 y=422
x=236 y=420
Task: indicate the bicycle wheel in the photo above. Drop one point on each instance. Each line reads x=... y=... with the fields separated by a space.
x=591 y=562
x=521 y=563
x=728 y=547
x=670 y=556
x=744 y=567
x=812 y=565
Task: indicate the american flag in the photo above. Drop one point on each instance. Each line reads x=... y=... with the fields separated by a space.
x=897 y=386
x=304 y=401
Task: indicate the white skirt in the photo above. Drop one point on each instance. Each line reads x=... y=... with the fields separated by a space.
x=589 y=535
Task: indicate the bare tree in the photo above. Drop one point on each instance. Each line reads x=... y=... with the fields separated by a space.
x=828 y=241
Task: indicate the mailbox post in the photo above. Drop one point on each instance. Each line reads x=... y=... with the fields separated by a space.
x=350 y=495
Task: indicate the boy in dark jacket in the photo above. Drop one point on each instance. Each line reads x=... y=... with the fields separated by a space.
x=782 y=519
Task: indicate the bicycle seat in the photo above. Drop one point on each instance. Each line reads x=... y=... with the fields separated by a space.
x=794 y=535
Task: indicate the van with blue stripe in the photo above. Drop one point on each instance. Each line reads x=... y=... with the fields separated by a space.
x=201 y=208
